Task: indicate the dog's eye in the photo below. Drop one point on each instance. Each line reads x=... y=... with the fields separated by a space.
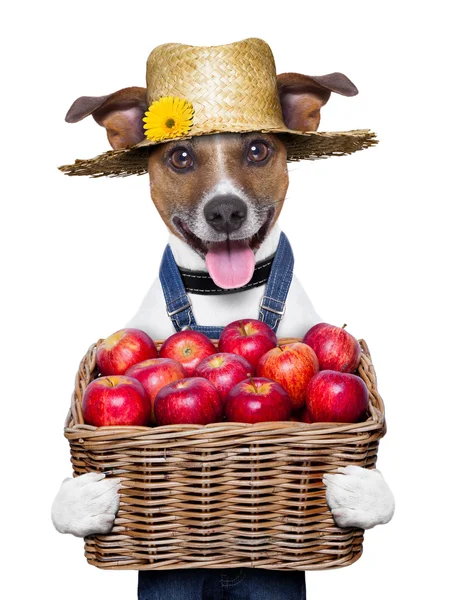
x=258 y=152
x=181 y=159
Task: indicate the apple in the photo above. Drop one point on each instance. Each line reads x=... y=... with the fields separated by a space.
x=292 y=366
x=154 y=374
x=301 y=415
x=248 y=337
x=224 y=370
x=336 y=397
x=188 y=348
x=191 y=400
x=257 y=400
x=126 y=347
x=115 y=400
x=335 y=347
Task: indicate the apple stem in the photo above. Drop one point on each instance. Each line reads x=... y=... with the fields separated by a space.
x=251 y=381
x=242 y=328
x=280 y=347
x=344 y=326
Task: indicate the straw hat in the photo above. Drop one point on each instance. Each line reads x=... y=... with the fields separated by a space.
x=216 y=89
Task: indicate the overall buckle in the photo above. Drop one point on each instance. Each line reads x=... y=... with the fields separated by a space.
x=272 y=310
x=171 y=313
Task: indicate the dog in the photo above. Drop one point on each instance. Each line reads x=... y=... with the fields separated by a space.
x=220 y=196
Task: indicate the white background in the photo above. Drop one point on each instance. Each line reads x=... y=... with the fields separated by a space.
x=369 y=231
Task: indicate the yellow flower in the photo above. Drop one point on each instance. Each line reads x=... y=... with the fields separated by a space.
x=168 y=117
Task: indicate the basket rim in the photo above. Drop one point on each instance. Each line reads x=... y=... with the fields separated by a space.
x=74 y=430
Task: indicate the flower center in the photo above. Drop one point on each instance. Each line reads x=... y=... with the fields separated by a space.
x=167 y=118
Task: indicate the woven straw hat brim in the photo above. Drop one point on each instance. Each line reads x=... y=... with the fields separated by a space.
x=300 y=146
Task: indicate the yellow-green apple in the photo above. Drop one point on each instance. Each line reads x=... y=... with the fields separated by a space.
x=154 y=374
x=124 y=348
x=336 y=397
x=292 y=366
x=192 y=400
x=248 y=337
x=188 y=348
x=115 y=400
x=224 y=370
x=335 y=347
x=257 y=400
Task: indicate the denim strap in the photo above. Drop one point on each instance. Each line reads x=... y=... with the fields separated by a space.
x=272 y=305
x=178 y=305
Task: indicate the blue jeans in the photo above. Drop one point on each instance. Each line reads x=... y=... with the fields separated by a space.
x=221 y=584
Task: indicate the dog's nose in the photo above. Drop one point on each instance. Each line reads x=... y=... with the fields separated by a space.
x=225 y=213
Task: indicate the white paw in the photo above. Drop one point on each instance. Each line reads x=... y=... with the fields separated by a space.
x=358 y=497
x=86 y=505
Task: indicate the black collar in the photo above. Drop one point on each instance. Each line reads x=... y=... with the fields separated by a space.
x=199 y=282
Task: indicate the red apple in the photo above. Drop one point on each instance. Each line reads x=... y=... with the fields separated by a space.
x=115 y=400
x=154 y=374
x=224 y=370
x=336 y=397
x=249 y=338
x=192 y=400
x=301 y=415
x=188 y=348
x=336 y=349
x=122 y=349
x=292 y=365
x=257 y=400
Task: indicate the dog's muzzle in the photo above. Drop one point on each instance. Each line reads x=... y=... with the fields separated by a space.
x=225 y=213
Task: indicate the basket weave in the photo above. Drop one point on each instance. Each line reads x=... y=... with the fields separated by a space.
x=224 y=495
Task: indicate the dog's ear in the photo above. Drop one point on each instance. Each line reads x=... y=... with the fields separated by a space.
x=302 y=97
x=120 y=113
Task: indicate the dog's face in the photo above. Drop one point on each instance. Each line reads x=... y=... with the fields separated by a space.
x=221 y=194
x=221 y=187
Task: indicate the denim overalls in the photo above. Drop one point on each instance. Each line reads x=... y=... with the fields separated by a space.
x=238 y=583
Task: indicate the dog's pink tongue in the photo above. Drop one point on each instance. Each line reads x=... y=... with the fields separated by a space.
x=230 y=264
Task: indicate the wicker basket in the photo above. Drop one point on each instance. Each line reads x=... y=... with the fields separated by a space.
x=227 y=494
